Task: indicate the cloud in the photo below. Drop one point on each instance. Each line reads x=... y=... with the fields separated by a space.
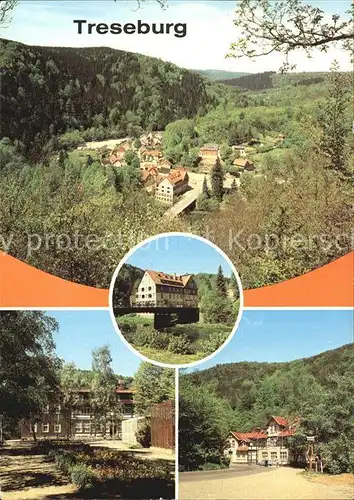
x=210 y=31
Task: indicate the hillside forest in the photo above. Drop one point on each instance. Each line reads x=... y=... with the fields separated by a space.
x=240 y=397
x=64 y=212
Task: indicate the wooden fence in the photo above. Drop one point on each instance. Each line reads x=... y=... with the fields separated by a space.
x=163 y=425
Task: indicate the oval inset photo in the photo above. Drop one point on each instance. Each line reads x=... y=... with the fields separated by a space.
x=176 y=299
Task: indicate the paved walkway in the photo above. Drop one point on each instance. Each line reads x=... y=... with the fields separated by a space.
x=277 y=484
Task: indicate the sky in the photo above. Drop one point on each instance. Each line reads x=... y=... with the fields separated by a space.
x=285 y=335
x=180 y=255
x=81 y=331
x=210 y=31
x=264 y=335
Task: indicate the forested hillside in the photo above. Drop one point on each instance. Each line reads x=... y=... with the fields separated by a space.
x=237 y=381
x=218 y=74
x=257 y=81
x=100 y=90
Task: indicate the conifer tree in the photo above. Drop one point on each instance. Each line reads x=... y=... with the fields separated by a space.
x=205 y=189
x=220 y=282
x=217 y=181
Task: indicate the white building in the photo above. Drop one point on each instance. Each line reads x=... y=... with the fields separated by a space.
x=160 y=289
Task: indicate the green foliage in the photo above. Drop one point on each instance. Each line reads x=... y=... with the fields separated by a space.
x=28 y=364
x=82 y=476
x=220 y=283
x=180 y=345
x=203 y=425
x=152 y=384
x=214 y=341
x=217 y=181
x=89 y=91
x=143 y=435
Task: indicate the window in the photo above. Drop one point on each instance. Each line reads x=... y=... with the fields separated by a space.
x=57 y=408
x=78 y=427
x=46 y=409
x=143 y=296
x=273 y=455
x=149 y=287
x=264 y=454
x=57 y=428
x=86 y=427
x=143 y=289
x=45 y=428
x=33 y=428
x=283 y=455
x=127 y=409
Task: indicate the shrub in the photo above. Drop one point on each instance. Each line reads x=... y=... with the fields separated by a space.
x=143 y=435
x=82 y=476
x=160 y=340
x=215 y=340
x=180 y=345
x=143 y=336
x=64 y=461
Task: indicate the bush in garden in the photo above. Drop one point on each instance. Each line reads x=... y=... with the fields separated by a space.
x=143 y=435
x=215 y=340
x=160 y=340
x=82 y=476
x=64 y=461
x=143 y=336
x=180 y=345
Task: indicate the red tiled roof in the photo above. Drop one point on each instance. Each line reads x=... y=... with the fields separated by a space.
x=287 y=432
x=160 y=278
x=177 y=175
x=247 y=436
x=283 y=422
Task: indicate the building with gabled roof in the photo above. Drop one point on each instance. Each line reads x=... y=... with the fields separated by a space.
x=159 y=289
x=268 y=444
x=243 y=164
x=78 y=421
x=173 y=185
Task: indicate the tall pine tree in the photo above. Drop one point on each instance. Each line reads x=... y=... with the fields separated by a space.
x=220 y=283
x=217 y=181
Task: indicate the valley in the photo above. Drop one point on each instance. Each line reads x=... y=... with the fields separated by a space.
x=118 y=159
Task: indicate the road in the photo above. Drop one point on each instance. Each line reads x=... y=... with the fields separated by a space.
x=231 y=472
x=283 y=483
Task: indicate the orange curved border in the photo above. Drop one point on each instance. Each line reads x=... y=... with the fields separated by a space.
x=22 y=285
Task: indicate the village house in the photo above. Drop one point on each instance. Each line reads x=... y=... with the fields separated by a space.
x=161 y=289
x=153 y=139
x=240 y=150
x=116 y=156
x=243 y=164
x=164 y=166
x=171 y=186
x=209 y=153
x=58 y=422
x=153 y=155
x=269 y=444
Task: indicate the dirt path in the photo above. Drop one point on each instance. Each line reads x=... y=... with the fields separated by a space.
x=24 y=476
x=283 y=483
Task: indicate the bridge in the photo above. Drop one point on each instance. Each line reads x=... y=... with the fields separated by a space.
x=186 y=200
x=163 y=315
